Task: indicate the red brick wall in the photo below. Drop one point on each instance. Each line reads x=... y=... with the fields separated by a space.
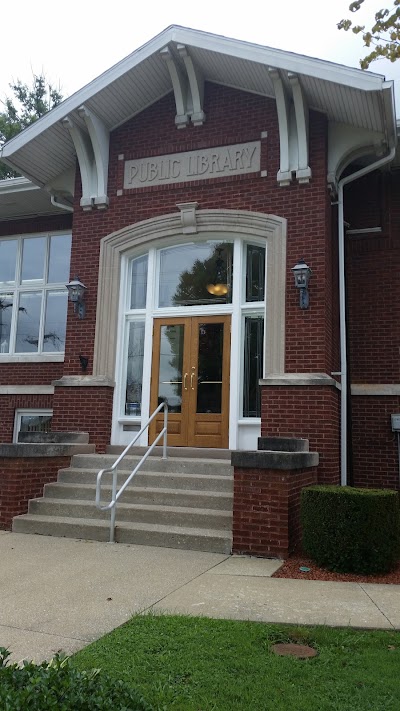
x=232 y=117
x=311 y=412
x=373 y=290
x=24 y=479
x=266 y=510
x=375 y=453
x=84 y=409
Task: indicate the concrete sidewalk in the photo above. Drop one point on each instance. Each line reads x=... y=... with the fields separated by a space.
x=59 y=593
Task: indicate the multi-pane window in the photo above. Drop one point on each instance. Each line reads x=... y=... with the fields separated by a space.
x=33 y=297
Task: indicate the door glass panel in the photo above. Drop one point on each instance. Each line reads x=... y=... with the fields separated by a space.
x=194 y=274
x=171 y=366
x=209 y=389
x=134 y=373
x=253 y=360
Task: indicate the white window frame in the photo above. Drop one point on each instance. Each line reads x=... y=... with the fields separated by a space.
x=28 y=412
x=238 y=309
x=18 y=288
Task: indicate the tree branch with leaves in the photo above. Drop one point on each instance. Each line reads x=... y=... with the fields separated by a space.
x=28 y=104
x=383 y=38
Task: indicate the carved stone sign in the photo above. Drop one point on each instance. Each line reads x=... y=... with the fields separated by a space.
x=217 y=162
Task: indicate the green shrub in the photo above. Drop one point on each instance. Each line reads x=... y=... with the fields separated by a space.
x=351 y=530
x=57 y=686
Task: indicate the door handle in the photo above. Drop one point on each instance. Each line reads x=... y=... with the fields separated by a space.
x=192 y=374
x=185 y=381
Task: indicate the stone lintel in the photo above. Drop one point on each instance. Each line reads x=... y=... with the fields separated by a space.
x=289 y=379
x=283 y=444
x=85 y=381
x=285 y=461
x=21 y=451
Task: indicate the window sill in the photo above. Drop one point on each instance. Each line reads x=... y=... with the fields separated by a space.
x=32 y=358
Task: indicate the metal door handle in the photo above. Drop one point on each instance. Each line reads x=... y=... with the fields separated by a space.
x=191 y=379
x=185 y=381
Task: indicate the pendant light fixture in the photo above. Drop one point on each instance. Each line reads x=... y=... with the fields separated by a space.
x=219 y=287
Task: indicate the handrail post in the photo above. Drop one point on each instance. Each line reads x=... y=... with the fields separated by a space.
x=113 y=508
x=164 y=456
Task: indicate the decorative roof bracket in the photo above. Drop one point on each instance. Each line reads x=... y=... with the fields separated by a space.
x=100 y=139
x=284 y=175
x=180 y=86
x=303 y=171
x=196 y=86
x=188 y=86
x=84 y=152
x=92 y=152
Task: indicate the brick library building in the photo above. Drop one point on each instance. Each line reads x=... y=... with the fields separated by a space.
x=214 y=225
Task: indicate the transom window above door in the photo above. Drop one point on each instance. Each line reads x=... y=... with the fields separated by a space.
x=196 y=274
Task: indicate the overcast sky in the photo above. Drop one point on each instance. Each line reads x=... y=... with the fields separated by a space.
x=74 y=42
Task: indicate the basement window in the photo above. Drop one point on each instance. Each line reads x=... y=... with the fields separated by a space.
x=32 y=421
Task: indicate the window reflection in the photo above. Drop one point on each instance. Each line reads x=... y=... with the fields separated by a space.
x=27 y=340
x=139 y=282
x=55 y=322
x=33 y=254
x=255 y=273
x=134 y=373
x=6 y=304
x=8 y=259
x=253 y=362
x=187 y=270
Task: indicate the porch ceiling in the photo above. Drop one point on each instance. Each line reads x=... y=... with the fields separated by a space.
x=351 y=96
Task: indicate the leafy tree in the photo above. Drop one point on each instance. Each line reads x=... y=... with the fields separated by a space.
x=383 y=38
x=27 y=105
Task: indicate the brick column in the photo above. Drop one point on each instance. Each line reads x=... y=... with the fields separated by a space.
x=84 y=403
x=305 y=405
x=266 y=499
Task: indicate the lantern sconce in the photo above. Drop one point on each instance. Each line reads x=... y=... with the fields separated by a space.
x=76 y=294
x=302 y=273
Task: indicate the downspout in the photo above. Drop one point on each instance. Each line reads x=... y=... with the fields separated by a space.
x=63 y=205
x=342 y=307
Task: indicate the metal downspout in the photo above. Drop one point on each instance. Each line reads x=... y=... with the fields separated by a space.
x=342 y=307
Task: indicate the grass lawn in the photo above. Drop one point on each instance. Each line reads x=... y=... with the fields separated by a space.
x=201 y=664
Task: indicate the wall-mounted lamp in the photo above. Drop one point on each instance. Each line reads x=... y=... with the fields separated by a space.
x=76 y=294
x=84 y=361
x=302 y=273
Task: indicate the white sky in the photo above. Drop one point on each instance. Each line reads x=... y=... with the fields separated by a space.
x=74 y=42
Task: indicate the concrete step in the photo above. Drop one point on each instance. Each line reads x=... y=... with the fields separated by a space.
x=141 y=534
x=175 y=465
x=167 y=480
x=186 y=452
x=144 y=495
x=135 y=513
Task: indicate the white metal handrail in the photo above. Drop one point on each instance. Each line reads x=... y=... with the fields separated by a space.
x=115 y=495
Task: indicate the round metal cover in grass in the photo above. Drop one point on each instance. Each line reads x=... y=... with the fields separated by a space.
x=302 y=651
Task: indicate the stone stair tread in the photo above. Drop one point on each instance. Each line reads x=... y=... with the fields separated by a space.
x=126 y=525
x=138 y=507
x=144 y=489
x=90 y=470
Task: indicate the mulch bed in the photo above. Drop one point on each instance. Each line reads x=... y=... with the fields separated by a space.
x=291 y=569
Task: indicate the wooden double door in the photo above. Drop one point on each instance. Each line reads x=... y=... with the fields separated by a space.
x=191 y=372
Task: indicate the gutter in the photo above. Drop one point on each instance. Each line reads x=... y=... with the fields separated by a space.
x=342 y=305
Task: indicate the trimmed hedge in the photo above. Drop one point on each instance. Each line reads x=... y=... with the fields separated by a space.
x=57 y=686
x=351 y=530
